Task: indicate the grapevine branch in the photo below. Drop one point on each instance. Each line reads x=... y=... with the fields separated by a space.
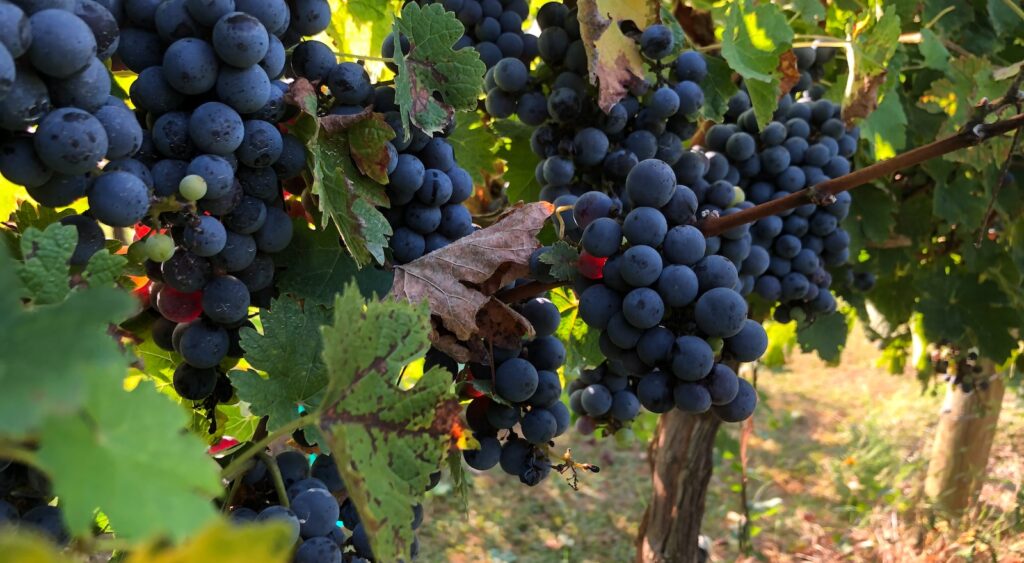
x=820 y=193
x=969 y=137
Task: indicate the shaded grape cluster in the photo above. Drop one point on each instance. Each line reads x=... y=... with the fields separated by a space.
x=323 y=521
x=493 y=27
x=524 y=412
x=25 y=497
x=806 y=143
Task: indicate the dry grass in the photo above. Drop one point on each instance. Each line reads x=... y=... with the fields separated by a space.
x=834 y=474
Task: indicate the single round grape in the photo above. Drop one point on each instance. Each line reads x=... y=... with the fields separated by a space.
x=225 y=300
x=192 y=188
x=159 y=247
x=70 y=141
x=118 y=199
x=240 y=39
x=194 y=384
x=516 y=380
x=62 y=44
x=656 y=41
x=692 y=358
x=741 y=407
x=720 y=312
x=205 y=237
x=190 y=66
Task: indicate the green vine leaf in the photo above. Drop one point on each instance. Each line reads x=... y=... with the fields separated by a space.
x=582 y=350
x=104 y=268
x=37 y=382
x=431 y=65
x=390 y=440
x=475 y=145
x=718 y=87
x=826 y=336
x=520 y=160
x=564 y=260
x=114 y=456
x=753 y=42
x=316 y=268
x=46 y=254
x=289 y=353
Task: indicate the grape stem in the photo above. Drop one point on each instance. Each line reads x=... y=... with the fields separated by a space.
x=275 y=476
x=528 y=291
x=968 y=137
x=238 y=465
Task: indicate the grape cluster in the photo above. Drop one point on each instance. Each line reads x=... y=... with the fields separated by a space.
x=805 y=144
x=195 y=166
x=425 y=185
x=583 y=148
x=209 y=85
x=673 y=322
x=426 y=188
x=526 y=395
x=811 y=61
x=494 y=28
x=25 y=496
x=58 y=120
x=314 y=514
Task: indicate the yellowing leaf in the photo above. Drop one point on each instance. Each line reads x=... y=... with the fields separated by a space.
x=614 y=59
x=263 y=542
x=23 y=545
x=358 y=27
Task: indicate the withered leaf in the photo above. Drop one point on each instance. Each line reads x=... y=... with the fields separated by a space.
x=864 y=98
x=614 y=59
x=459 y=281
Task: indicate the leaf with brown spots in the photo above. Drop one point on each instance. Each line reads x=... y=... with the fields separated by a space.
x=614 y=59
x=386 y=440
x=368 y=144
x=344 y=192
x=432 y=65
x=459 y=281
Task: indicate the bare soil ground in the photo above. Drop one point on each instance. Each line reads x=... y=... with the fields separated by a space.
x=836 y=465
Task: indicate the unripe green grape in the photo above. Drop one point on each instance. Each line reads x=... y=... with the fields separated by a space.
x=137 y=253
x=716 y=345
x=798 y=314
x=159 y=247
x=192 y=187
x=738 y=196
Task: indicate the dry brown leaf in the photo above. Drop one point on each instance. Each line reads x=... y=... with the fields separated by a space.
x=864 y=99
x=459 y=281
x=614 y=59
x=788 y=72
